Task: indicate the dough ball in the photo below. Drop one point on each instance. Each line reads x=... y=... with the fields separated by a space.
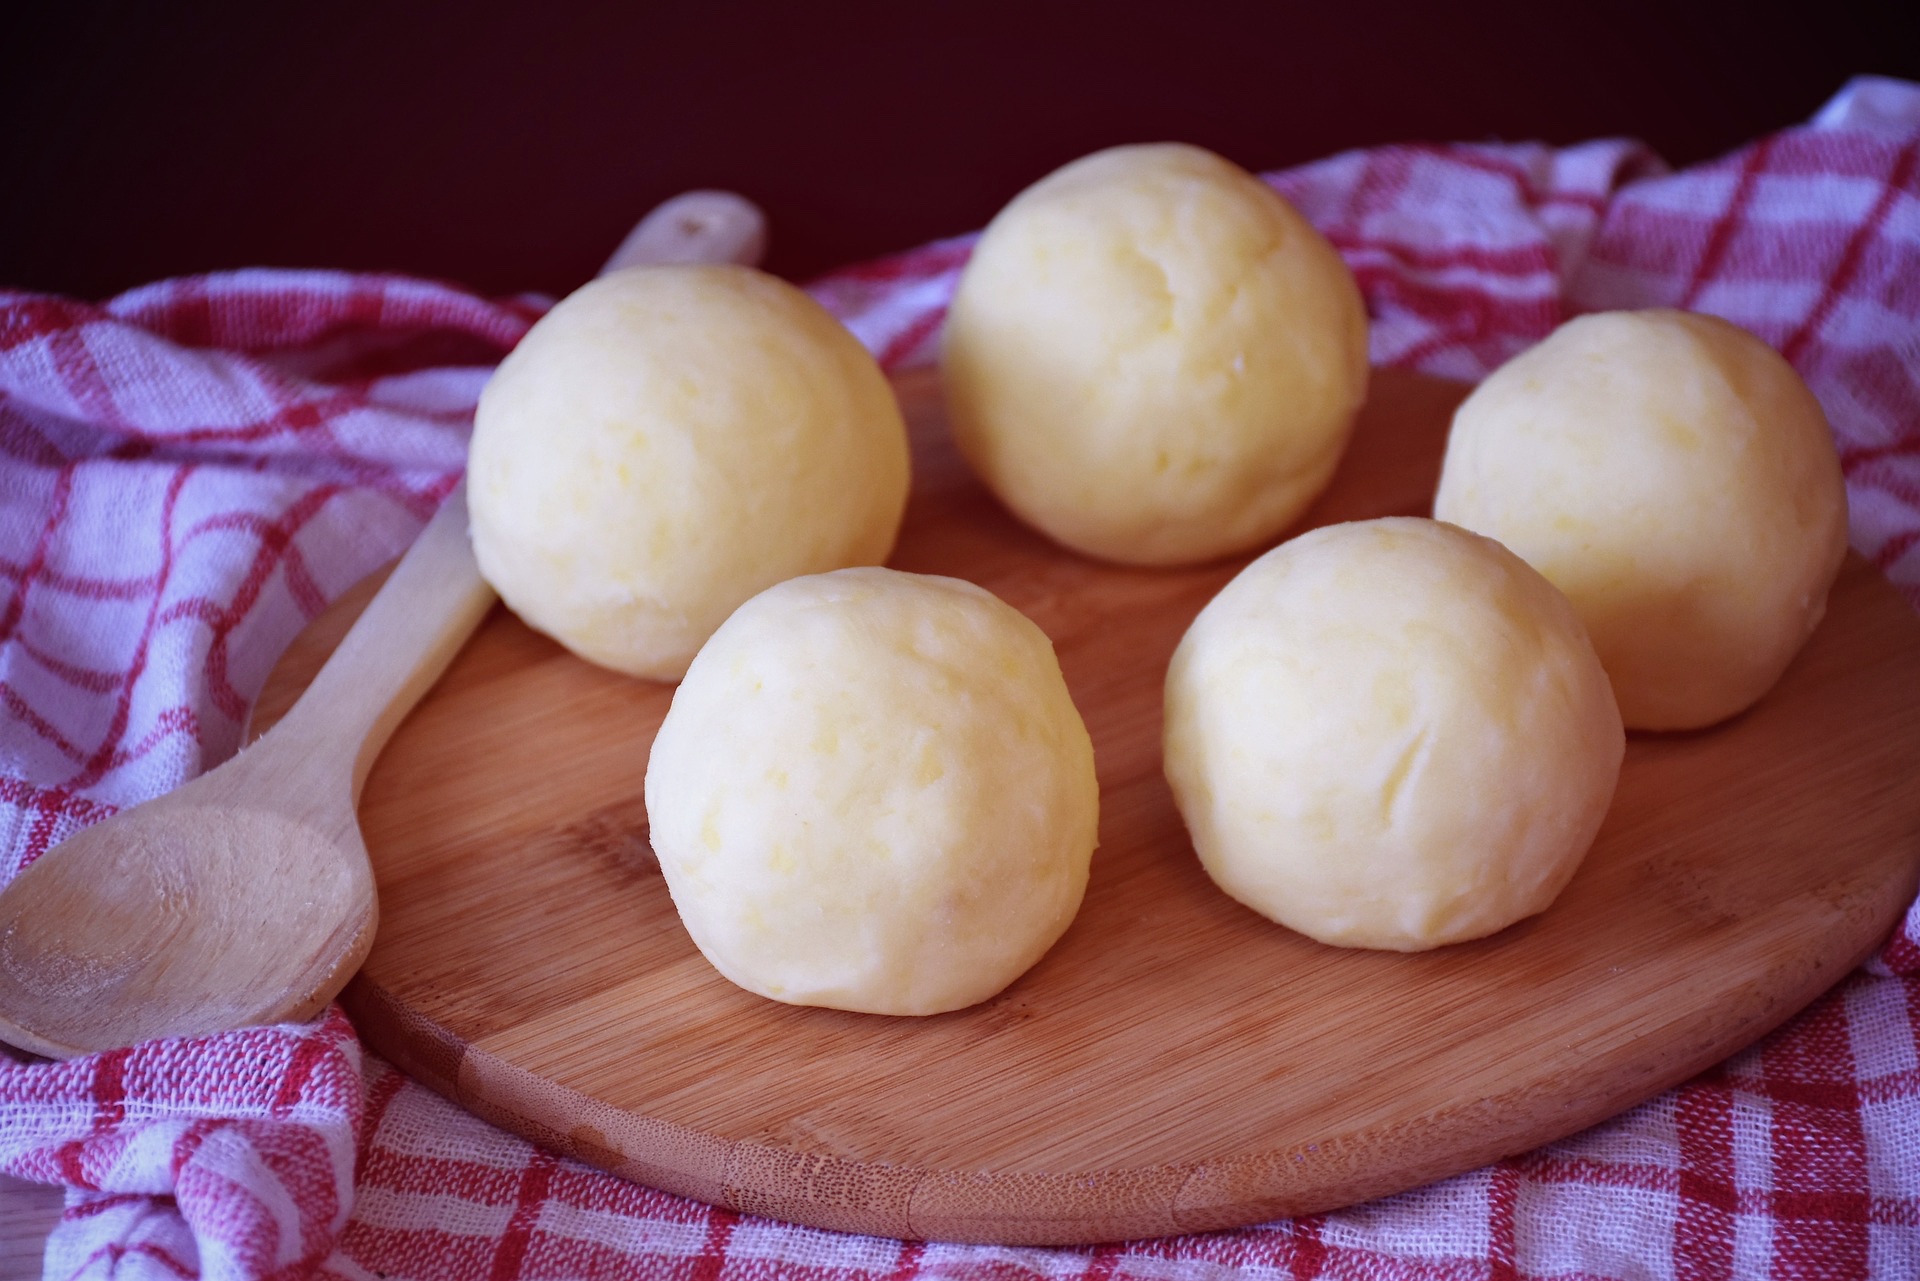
x=1674 y=477
x=872 y=792
x=1391 y=734
x=1153 y=358
x=665 y=443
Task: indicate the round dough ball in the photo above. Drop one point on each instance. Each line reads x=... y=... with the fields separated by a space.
x=1674 y=477
x=1391 y=734
x=665 y=443
x=872 y=792
x=1153 y=358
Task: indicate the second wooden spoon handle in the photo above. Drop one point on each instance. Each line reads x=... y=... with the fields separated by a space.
x=700 y=226
x=435 y=598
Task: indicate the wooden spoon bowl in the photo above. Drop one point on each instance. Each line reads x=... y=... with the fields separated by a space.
x=115 y=942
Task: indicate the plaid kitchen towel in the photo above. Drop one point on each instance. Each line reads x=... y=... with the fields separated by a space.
x=190 y=471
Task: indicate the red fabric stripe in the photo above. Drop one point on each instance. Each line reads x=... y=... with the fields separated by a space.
x=30 y=574
x=908 y=1265
x=587 y=1189
x=110 y=1089
x=276 y=544
x=1102 y=1263
x=301 y=417
x=250 y=1231
x=266 y=317
x=1523 y=182
x=1464 y=304
x=96 y=1205
x=83 y=587
x=1546 y=1166
x=1910 y=992
x=107 y=1088
x=482 y=1182
x=379 y=1098
x=1494 y=260
x=14 y=702
x=49 y=806
x=713 y=1254
x=1882 y=381
x=172 y=722
x=1724 y=228
x=1819 y=1204
x=14 y=791
x=111 y=1252
x=46 y=819
x=1899 y=1212
x=1906 y=445
x=187 y=1146
x=1901 y=955
x=1897 y=486
x=909 y=339
x=190 y=313
x=1896 y=547
x=81 y=377
x=23 y=440
x=526 y=1213
x=102 y=759
x=26 y=318
x=1307 y=1255
x=1503 y=1199
x=306 y=593
x=1382 y=173
x=90 y=679
x=308 y=1055
x=166 y=1259
x=1849 y=265
x=1829 y=1094
x=1703 y=1226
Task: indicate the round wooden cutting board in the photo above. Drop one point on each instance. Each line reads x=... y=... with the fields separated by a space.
x=1176 y=1063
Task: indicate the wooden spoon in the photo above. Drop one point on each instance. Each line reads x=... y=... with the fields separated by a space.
x=245 y=896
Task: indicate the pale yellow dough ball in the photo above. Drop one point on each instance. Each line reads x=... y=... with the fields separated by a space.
x=1391 y=734
x=1153 y=358
x=668 y=441
x=1674 y=477
x=873 y=792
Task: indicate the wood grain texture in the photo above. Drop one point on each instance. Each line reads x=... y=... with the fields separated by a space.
x=28 y=1213
x=1175 y=1063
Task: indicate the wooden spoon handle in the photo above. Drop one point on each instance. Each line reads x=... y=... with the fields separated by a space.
x=700 y=226
x=435 y=598
x=397 y=649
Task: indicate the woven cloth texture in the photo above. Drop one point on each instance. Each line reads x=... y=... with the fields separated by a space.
x=192 y=470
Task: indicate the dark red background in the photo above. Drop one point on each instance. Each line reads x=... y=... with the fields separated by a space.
x=509 y=146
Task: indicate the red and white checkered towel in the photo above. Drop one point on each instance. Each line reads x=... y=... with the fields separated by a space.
x=190 y=471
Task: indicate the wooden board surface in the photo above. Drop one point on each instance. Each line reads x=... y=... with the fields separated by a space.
x=1176 y=1063
x=28 y=1213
